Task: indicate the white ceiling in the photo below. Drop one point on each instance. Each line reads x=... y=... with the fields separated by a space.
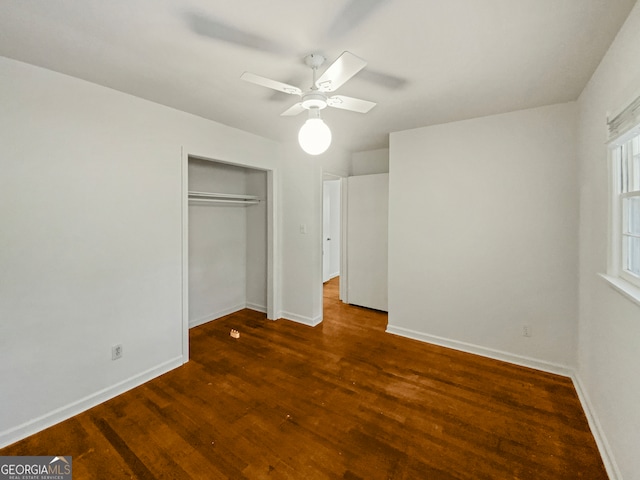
x=429 y=61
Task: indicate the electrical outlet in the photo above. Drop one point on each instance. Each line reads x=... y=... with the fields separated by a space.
x=526 y=330
x=116 y=352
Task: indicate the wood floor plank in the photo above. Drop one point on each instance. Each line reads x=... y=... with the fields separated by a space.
x=340 y=400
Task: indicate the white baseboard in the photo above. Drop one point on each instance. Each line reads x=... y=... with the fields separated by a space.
x=596 y=429
x=294 y=317
x=47 y=420
x=215 y=315
x=255 y=307
x=227 y=311
x=521 y=360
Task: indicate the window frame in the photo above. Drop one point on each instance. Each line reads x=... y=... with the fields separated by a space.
x=619 y=152
x=625 y=236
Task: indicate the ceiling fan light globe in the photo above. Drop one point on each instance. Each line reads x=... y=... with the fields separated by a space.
x=314 y=136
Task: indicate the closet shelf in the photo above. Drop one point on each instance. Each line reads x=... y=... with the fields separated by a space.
x=224 y=198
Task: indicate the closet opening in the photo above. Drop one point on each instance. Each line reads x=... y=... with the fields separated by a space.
x=228 y=242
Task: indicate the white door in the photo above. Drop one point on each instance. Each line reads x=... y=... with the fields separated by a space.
x=367 y=240
x=331 y=236
x=326 y=233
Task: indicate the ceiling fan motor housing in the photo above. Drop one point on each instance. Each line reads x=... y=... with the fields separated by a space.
x=314 y=99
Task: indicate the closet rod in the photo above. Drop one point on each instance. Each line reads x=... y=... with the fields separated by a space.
x=231 y=196
x=229 y=202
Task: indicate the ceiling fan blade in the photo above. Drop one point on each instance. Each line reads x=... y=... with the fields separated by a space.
x=354 y=13
x=350 y=103
x=345 y=67
x=267 y=82
x=212 y=28
x=293 y=110
x=383 y=79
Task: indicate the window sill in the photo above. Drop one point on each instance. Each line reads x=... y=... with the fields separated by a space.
x=625 y=288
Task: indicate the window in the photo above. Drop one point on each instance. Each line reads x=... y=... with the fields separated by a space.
x=625 y=211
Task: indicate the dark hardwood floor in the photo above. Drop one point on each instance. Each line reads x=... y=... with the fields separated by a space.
x=341 y=400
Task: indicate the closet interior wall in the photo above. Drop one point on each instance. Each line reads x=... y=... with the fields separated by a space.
x=227 y=242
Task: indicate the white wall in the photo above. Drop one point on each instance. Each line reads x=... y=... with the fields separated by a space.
x=302 y=252
x=483 y=230
x=370 y=162
x=608 y=350
x=90 y=244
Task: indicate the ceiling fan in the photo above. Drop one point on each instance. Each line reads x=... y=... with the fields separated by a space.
x=315 y=136
x=338 y=73
x=353 y=15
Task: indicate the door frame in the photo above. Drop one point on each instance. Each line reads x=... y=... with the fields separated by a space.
x=343 y=233
x=273 y=255
x=338 y=239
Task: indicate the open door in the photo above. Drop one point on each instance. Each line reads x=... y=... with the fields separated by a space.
x=331 y=208
x=326 y=234
x=367 y=240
